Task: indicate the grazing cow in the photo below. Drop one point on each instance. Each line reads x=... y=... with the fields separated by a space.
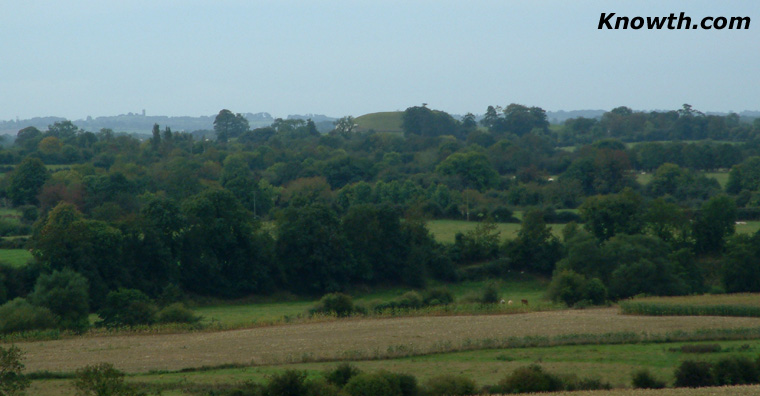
x=524 y=302
x=509 y=302
x=502 y=301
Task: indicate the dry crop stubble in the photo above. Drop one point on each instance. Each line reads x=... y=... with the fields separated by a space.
x=344 y=339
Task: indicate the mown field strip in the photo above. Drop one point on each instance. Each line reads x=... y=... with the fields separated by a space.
x=344 y=339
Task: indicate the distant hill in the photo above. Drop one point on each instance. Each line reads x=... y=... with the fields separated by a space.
x=388 y=121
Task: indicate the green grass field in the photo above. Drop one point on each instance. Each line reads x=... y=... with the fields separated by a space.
x=15 y=257
x=445 y=230
x=256 y=313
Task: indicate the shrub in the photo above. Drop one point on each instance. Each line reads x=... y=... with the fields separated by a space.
x=19 y=315
x=595 y=292
x=287 y=383
x=339 y=304
x=371 y=385
x=567 y=287
x=341 y=374
x=127 y=307
x=450 y=385
x=405 y=383
x=437 y=296
x=532 y=378
x=177 y=313
x=410 y=300
x=490 y=294
x=691 y=374
x=644 y=379
x=101 y=380
x=12 y=381
x=735 y=371
x=66 y=294
x=321 y=387
x=170 y=294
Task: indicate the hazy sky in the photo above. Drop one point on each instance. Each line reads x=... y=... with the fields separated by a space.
x=78 y=58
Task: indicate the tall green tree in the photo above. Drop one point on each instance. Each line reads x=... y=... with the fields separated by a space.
x=228 y=125
x=312 y=250
x=26 y=181
x=608 y=215
x=715 y=222
x=224 y=252
x=535 y=249
x=472 y=167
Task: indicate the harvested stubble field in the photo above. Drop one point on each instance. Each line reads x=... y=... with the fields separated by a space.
x=714 y=391
x=347 y=339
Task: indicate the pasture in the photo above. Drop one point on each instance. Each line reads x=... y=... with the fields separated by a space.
x=445 y=230
x=251 y=313
x=15 y=257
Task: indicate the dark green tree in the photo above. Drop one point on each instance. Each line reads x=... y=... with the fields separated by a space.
x=224 y=251
x=228 y=125
x=535 y=249
x=472 y=167
x=715 y=221
x=127 y=307
x=312 y=250
x=608 y=215
x=26 y=181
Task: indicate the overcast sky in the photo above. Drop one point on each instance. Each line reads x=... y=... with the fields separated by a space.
x=78 y=58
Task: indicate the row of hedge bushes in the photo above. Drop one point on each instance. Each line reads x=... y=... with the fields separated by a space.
x=348 y=380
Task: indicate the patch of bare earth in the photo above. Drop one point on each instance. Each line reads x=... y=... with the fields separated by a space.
x=340 y=339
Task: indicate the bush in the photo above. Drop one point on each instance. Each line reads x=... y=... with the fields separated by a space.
x=691 y=374
x=12 y=381
x=341 y=374
x=100 y=380
x=410 y=300
x=127 y=307
x=19 y=315
x=644 y=379
x=177 y=313
x=490 y=294
x=571 y=288
x=339 y=304
x=532 y=378
x=170 y=294
x=66 y=294
x=595 y=292
x=450 y=385
x=287 y=383
x=567 y=287
x=735 y=371
x=371 y=385
x=405 y=383
x=437 y=296
x=320 y=387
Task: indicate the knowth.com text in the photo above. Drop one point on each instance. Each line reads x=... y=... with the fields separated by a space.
x=610 y=20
